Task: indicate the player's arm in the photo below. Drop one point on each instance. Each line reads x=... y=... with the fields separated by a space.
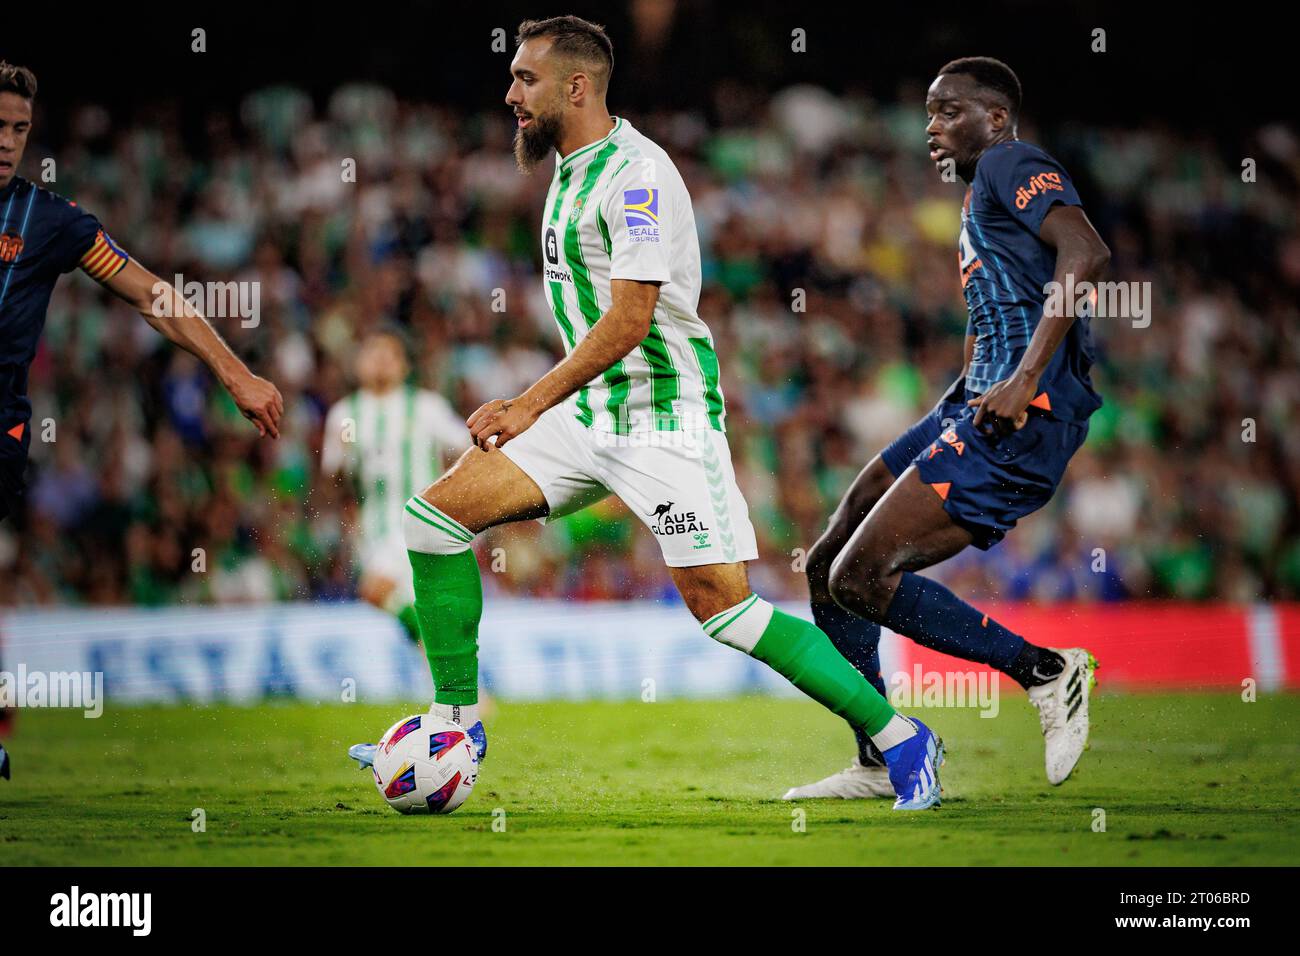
x=1080 y=253
x=166 y=310
x=617 y=333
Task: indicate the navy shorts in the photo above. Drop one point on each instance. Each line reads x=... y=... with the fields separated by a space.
x=987 y=483
x=13 y=467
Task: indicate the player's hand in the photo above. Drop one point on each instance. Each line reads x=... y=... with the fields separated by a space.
x=1003 y=409
x=260 y=401
x=506 y=418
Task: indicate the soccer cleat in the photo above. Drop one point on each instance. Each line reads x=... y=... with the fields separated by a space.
x=363 y=754
x=1063 y=712
x=914 y=769
x=855 y=782
x=4 y=762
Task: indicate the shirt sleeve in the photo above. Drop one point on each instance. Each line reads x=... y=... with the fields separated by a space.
x=1027 y=183
x=636 y=214
x=74 y=236
x=447 y=428
x=333 y=456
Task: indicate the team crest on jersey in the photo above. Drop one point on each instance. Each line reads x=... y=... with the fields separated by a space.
x=576 y=211
x=11 y=247
x=641 y=212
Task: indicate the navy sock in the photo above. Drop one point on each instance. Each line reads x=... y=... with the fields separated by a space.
x=934 y=617
x=858 y=641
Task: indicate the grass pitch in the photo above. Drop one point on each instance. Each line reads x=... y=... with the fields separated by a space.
x=1181 y=779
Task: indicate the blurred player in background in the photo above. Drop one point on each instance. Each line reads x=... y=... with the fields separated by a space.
x=42 y=236
x=390 y=438
x=634 y=410
x=995 y=447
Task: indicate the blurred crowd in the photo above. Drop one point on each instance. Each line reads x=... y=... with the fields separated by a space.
x=831 y=287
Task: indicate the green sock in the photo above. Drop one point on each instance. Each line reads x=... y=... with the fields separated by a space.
x=802 y=653
x=410 y=622
x=448 y=605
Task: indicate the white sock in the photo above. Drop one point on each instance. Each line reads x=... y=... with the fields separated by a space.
x=464 y=714
x=894 y=733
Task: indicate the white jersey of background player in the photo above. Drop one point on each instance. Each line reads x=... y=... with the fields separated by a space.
x=392 y=439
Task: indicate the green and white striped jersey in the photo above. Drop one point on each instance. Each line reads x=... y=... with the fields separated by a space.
x=392 y=445
x=618 y=209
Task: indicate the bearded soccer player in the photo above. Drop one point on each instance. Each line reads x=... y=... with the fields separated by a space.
x=995 y=447
x=43 y=236
x=634 y=410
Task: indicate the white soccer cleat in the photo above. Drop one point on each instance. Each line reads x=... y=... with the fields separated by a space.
x=855 y=782
x=1063 y=712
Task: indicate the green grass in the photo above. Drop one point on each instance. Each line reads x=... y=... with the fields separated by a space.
x=1183 y=780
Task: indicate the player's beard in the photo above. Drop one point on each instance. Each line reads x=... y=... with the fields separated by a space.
x=536 y=141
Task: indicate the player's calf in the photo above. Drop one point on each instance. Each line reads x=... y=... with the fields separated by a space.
x=867 y=489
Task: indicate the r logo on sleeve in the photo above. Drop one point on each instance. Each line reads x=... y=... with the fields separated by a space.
x=641 y=211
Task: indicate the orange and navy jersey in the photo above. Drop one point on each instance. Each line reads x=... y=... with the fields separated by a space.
x=42 y=236
x=1004 y=268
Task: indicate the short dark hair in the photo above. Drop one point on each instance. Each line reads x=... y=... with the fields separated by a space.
x=17 y=79
x=992 y=75
x=577 y=40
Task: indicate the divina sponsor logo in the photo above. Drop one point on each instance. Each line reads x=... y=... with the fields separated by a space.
x=74 y=908
x=1038 y=184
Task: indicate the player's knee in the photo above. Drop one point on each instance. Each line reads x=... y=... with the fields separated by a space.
x=430 y=530
x=818 y=566
x=860 y=586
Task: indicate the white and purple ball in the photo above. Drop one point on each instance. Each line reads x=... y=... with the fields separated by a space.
x=425 y=765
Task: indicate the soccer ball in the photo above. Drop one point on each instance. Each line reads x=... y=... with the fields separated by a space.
x=425 y=765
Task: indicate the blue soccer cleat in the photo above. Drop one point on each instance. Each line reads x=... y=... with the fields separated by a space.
x=479 y=736
x=914 y=769
x=364 y=754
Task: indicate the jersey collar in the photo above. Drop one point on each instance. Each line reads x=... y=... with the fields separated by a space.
x=567 y=161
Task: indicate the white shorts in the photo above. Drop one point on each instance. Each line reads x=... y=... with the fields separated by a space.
x=681 y=484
